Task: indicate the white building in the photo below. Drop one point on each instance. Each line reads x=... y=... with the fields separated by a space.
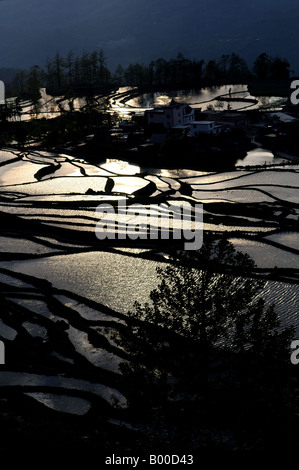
x=205 y=127
x=2 y=92
x=171 y=115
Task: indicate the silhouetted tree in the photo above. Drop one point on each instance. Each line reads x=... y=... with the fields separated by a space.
x=262 y=66
x=119 y=75
x=266 y=67
x=280 y=69
x=188 y=348
x=212 y=71
x=19 y=82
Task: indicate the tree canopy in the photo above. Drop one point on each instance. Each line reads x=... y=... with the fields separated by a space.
x=204 y=337
x=90 y=71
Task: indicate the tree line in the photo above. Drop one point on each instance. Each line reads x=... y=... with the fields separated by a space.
x=90 y=72
x=62 y=74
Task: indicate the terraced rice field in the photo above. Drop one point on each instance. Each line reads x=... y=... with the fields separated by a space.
x=64 y=293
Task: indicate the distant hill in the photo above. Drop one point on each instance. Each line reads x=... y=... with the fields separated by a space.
x=132 y=31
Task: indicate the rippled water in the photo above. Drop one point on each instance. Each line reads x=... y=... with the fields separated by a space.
x=85 y=281
x=260 y=156
x=286 y=239
x=267 y=256
x=193 y=97
x=203 y=98
x=118 y=281
x=112 y=279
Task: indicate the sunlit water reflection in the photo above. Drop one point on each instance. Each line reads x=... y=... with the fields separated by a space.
x=260 y=156
x=205 y=98
x=117 y=281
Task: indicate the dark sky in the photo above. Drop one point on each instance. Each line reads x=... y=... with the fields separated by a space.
x=141 y=30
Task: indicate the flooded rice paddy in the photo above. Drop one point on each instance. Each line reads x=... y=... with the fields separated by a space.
x=65 y=292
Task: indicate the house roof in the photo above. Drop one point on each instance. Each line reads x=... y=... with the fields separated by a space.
x=188 y=109
x=284 y=117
